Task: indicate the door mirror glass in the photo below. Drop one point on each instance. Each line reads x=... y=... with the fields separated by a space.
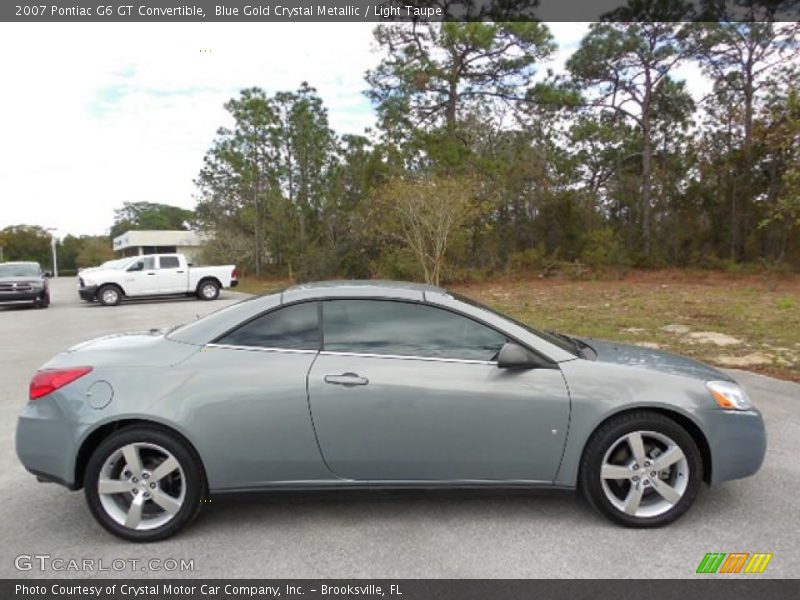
x=514 y=356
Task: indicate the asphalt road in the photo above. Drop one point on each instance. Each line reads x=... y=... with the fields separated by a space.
x=385 y=534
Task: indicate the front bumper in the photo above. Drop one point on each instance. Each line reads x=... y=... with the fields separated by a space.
x=20 y=296
x=738 y=443
x=88 y=292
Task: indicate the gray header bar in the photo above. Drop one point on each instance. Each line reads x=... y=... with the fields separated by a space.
x=385 y=10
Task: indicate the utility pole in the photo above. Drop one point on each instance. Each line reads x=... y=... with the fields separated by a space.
x=53 y=246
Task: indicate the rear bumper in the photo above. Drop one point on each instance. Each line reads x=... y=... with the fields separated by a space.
x=234 y=283
x=738 y=443
x=46 y=442
x=88 y=293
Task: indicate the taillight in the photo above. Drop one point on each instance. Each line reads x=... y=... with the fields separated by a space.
x=48 y=381
x=234 y=274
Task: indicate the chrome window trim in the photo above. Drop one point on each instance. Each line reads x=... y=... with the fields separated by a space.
x=260 y=348
x=467 y=361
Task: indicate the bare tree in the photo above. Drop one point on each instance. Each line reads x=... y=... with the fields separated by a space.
x=427 y=214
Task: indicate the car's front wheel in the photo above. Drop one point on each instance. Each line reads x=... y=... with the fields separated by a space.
x=641 y=469
x=144 y=484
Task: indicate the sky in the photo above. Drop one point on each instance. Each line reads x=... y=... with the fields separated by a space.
x=94 y=116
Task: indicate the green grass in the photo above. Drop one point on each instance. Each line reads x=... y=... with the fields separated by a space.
x=762 y=313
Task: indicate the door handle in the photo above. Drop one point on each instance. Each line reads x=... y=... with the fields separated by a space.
x=151 y=273
x=179 y=271
x=347 y=379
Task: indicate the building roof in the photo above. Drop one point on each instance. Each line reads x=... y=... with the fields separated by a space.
x=146 y=237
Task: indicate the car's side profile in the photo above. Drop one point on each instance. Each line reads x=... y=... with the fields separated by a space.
x=377 y=384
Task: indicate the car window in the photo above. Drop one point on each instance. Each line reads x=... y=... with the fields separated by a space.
x=294 y=327
x=169 y=262
x=148 y=263
x=549 y=337
x=406 y=329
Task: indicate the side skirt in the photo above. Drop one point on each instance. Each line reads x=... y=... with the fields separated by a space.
x=346 y=484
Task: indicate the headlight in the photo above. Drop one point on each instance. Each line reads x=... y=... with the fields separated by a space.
x=729 y=396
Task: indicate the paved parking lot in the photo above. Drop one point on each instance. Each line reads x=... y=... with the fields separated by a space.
x=387 y=535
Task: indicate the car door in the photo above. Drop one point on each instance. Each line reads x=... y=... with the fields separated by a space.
x=140 y=277
x=246 y=401
x=407 y=391
x=171 y=276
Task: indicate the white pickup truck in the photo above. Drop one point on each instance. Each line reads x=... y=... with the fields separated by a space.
x=153 y=275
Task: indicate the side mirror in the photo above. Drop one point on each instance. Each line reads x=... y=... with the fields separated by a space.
x=48 y=274
x=514 y=356
x=139 y=266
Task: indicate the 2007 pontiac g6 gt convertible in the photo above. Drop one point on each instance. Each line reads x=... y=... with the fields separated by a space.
x=378 y=385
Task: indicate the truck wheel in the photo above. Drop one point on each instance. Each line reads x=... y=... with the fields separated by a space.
x=43 y=301
x=208 y=290
x=109 y=295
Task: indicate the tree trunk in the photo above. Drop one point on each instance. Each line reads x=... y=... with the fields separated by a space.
x=258 y=230
x=647 y=157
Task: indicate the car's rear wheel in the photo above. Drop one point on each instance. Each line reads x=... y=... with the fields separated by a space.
x=109 y=295
x=208 y=290
x=641 y=469
x=144 y=484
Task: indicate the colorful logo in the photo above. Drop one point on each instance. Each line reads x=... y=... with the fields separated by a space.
x=735 y=562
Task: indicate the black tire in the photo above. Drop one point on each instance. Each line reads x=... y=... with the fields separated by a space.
x=607 y=438
x=109 y=295
x=208 y=289
x=193 y=479
x=43 y=301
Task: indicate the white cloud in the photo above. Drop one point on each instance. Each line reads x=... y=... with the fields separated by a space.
x=96 y=115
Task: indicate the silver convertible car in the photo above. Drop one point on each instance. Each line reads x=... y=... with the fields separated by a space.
x=377 y=385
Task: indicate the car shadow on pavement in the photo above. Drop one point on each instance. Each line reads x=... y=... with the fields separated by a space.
x=240 y=509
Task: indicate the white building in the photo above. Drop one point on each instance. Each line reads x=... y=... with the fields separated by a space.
x=137 y=243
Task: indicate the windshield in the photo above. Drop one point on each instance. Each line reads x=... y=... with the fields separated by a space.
x=117 y=263
x=113 y=263
x=20 y=270
x=561 y=342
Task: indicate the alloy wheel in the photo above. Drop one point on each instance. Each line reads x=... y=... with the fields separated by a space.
x=141 y=486
x=644 y=473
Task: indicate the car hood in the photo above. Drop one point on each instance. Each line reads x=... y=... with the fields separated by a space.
x=22 y=279
x=94 y=271
x=656 y=360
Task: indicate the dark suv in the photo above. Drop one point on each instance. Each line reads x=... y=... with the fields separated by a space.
x=24 y=282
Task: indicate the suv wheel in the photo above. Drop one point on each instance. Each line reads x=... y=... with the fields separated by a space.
x=143 y=484
x=641 y=469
